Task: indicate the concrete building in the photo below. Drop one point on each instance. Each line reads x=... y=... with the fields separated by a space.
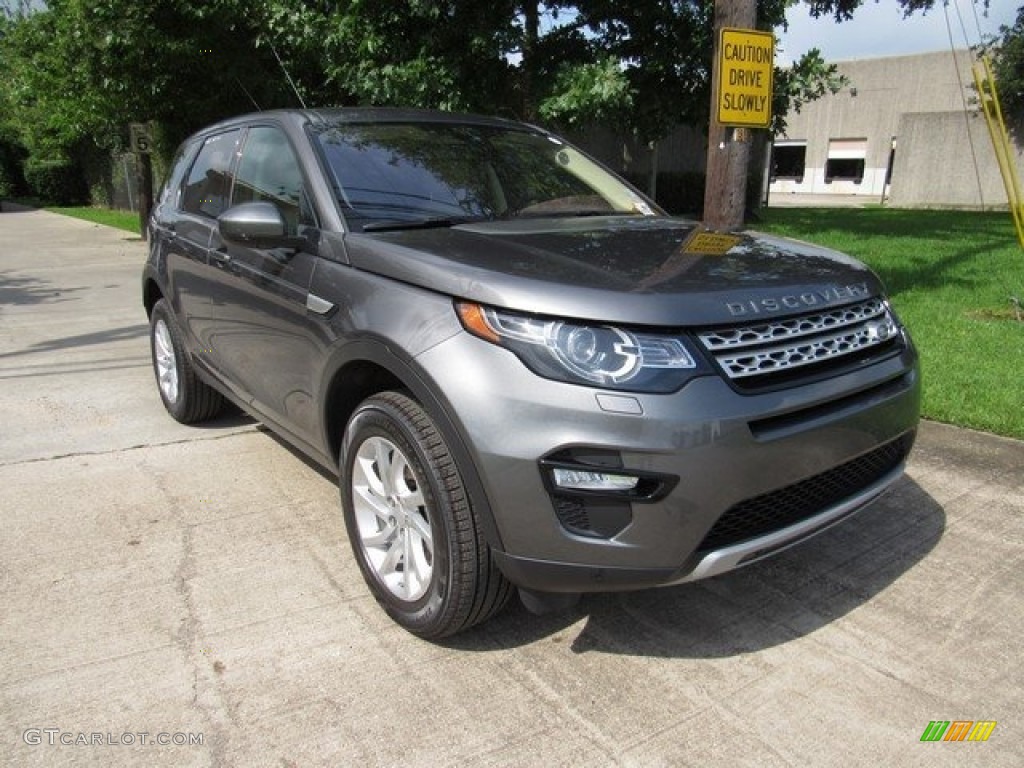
x=906 y=130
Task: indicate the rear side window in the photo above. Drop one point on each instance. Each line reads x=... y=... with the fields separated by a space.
x=171 y=192
x=208 y=187
x=269 y=171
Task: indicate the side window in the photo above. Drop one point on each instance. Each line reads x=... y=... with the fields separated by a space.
x=171 y=192
x=209 y=181
x=269 y=171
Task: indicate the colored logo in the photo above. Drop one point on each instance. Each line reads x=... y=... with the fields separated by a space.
x=958 y=730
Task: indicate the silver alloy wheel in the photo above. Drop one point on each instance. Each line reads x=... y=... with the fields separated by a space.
x=391 y=516
x=166 y=362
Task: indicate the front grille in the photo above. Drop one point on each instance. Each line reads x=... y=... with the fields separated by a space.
x=774 y=511
x=768 y=352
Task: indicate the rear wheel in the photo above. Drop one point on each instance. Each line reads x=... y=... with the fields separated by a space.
x=410 y=521
x=185 y=396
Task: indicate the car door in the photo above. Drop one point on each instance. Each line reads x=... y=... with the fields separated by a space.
x=267 y=342
x=189 y=218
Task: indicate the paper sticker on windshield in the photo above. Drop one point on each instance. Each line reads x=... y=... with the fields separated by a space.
x=710 y=243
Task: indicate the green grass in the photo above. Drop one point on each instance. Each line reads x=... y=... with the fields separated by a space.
x=125 y=220
x=950 y=275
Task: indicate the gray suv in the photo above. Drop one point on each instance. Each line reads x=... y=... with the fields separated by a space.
x=523 y=372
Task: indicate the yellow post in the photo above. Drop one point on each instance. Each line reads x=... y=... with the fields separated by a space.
x=1004 y=149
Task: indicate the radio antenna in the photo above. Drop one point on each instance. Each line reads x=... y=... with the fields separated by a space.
x=246 y=92
x=290 y=81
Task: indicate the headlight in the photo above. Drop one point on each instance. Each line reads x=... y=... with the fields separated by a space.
x=596 y=355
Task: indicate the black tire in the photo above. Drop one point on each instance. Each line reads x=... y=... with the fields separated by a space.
x=411 y=524
x=187 y=398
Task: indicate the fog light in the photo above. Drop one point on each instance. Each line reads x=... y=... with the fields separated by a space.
x=581 y=480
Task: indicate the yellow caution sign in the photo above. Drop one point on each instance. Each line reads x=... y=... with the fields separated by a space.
x=707 y=243
x=746 y=65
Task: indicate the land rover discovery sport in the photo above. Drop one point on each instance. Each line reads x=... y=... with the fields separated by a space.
x=525 y=374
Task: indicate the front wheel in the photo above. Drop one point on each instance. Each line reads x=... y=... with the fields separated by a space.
x=410 y=521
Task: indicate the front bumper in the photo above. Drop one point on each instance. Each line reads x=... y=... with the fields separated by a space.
x=543 y=576
x=726 y=454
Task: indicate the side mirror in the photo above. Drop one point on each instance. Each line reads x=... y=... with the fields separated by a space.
x=257 y=225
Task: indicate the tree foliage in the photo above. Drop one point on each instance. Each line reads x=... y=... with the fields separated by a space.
x=83 y=69
x=810 y=78
x=843 y=10
x=1007 y=53
x=596 y=91
x=75 y=73
x=664 y=49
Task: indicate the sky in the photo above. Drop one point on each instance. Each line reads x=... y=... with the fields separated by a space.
x=879 y=29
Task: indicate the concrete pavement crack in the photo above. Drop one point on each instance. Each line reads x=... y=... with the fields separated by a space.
x=208 y=698
x=128 y=448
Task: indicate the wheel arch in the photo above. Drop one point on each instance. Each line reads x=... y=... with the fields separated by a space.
x=151 y=293
x=367 y=368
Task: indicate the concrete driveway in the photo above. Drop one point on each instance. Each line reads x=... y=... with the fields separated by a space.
x=194 y=586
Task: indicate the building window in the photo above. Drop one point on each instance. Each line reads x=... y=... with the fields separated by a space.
x=846 y=160
x=788 y=160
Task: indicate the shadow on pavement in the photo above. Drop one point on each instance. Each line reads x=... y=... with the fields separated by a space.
x=757 y=607
x=769 y=603
x=82 y=340
x=23 y=291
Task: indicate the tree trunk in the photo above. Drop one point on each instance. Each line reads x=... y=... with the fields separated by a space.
x=728 y=148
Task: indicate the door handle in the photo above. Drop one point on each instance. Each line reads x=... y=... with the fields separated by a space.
x=221 y=255
x=317 y=305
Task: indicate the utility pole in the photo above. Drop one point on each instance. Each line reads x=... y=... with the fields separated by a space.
x=728 y=148
x=531 y=34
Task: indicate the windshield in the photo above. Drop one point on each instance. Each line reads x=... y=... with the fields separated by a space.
x=395 y=174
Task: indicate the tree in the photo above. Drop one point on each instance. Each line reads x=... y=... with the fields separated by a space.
x=445 y=54
x=1007 y=54
x=78 y=72
x=809 y=78
x=72 y=76
x=12 y=152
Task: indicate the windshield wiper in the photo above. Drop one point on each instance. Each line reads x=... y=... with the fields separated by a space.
x=431 y=222
x=572 y=213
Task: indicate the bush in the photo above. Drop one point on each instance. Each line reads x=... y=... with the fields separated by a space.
x=12 y=178
x=7 y=187
x=56 y=181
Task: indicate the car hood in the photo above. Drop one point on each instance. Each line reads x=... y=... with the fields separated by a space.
x=634 y=270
